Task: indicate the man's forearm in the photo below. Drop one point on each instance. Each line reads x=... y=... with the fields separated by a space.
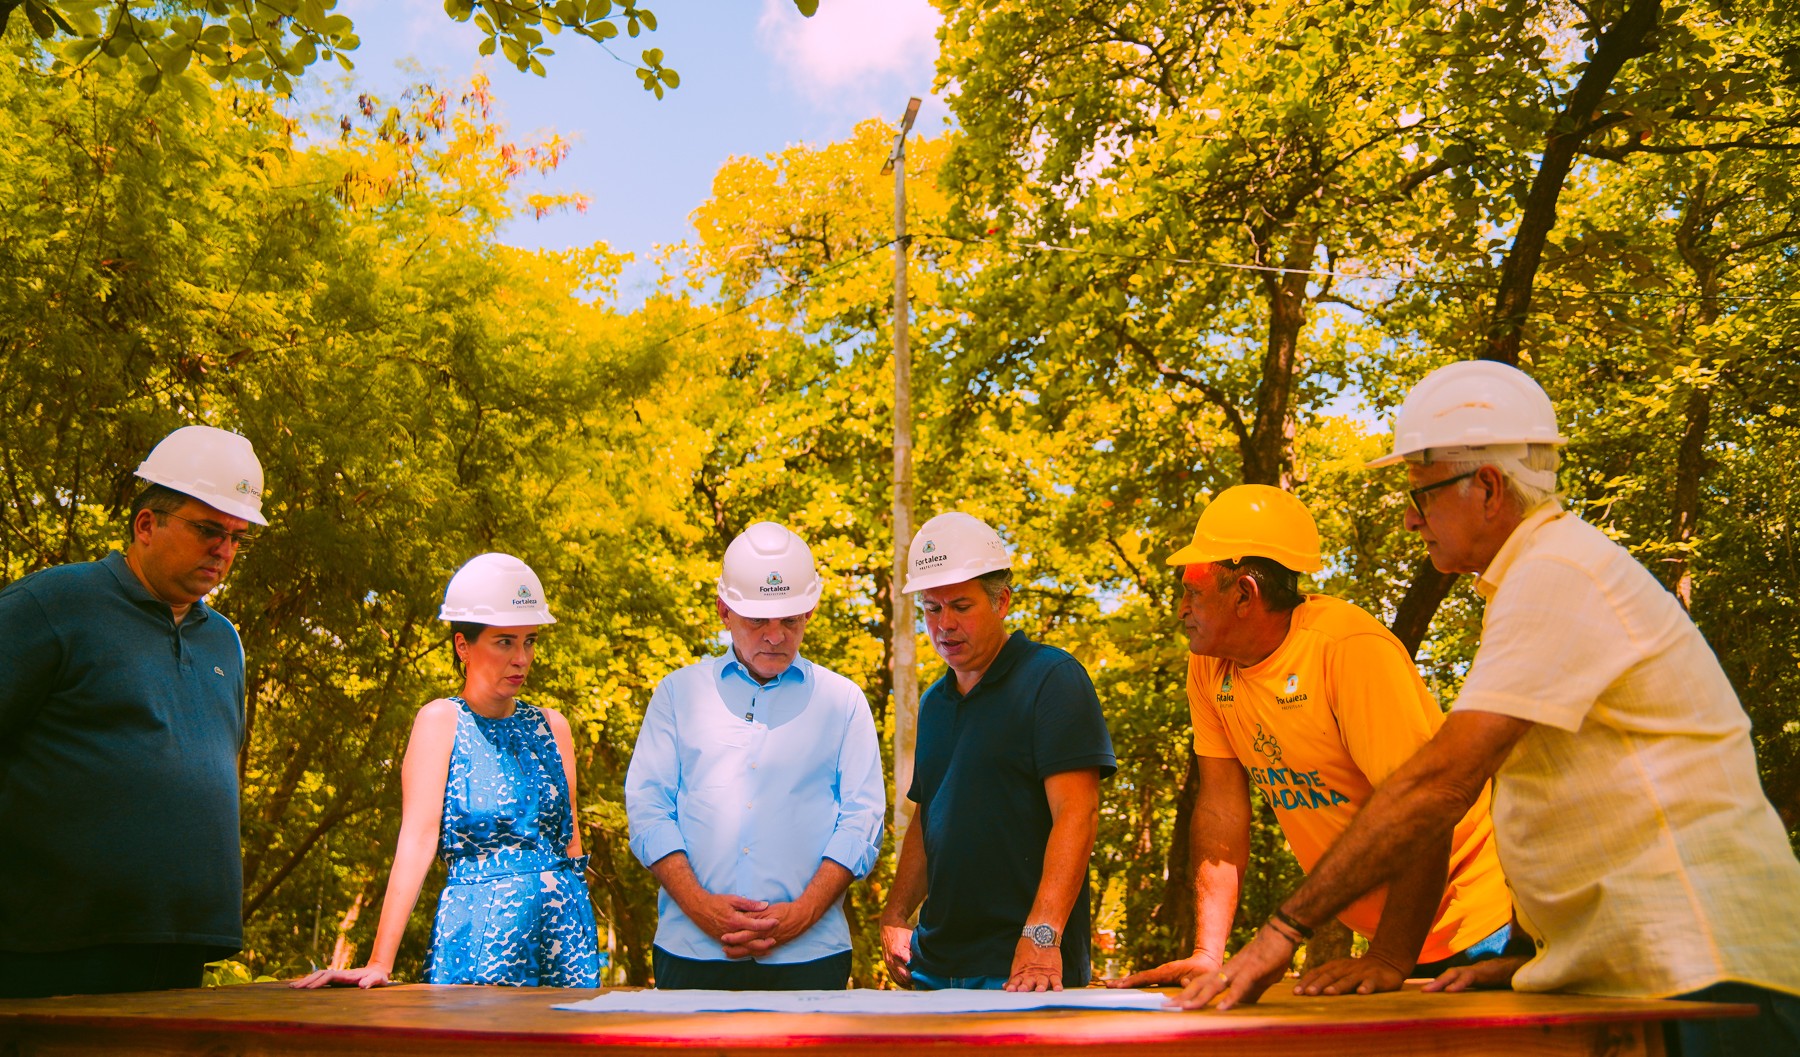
x=1413 y=897
x=909 y=886
x=1219 y=848
x=1412 y=813
x=1074 y=823
x=828 y=884
x=676 y=875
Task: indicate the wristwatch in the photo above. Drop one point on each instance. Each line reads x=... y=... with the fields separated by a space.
x=1041 y=935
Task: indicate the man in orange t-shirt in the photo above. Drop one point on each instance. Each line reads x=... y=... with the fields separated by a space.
x=1315 y=702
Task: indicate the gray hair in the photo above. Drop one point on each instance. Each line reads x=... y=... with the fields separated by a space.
x=995 y=584
x=1530 y=477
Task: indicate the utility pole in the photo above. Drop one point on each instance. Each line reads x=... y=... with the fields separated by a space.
x=904 y=659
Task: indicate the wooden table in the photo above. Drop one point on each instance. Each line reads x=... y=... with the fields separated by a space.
x=271 y=1019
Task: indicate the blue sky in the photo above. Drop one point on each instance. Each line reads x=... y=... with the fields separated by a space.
x=755 y=78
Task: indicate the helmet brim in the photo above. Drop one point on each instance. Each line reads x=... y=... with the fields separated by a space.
x=1201 y=551
x=218 y=502
x=773 y=610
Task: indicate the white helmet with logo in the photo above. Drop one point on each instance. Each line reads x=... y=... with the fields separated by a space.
x=215 y=466
x=951 y=548
x=498 y=590
x=768 y=573
x=1481 y=404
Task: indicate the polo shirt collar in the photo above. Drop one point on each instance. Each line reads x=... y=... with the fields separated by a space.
x=135 y=590
x=1011 y=651
x=798 y=672
x=1487 y=582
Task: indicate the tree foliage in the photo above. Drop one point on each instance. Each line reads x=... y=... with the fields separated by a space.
x=270 y=43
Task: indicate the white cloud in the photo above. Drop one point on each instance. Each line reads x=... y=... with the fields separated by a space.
x=853 y=55
x=397 y=29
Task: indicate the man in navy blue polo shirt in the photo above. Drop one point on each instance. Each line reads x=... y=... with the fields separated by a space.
x=121 y=717
x=1012 y=746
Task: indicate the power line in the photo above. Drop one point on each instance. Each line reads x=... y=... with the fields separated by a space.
x=811 y=282
x=1326 y=273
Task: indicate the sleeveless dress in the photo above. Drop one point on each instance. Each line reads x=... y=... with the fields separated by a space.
x=515 y=907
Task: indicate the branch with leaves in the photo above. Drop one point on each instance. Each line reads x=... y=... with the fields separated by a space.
x=269 y=43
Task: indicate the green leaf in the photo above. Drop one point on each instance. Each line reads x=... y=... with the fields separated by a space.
x=669 y=77
x=61 y=22
x=39 y=19
x=76 y=51
x=653 y=57
x=647 y=18
x=459 y=9
x=809 y=8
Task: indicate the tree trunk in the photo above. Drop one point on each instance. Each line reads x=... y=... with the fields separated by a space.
x=1579 y=119
x=633 y=939
x=1330 y=941
x=1518 y=272
x=1268 y=455
x=1690 y=456
x=1412 y=618
x=1175 y=914
x=1690 y=464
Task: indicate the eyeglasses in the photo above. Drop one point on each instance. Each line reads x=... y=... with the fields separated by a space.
x=1417 y=495
x=213 y=535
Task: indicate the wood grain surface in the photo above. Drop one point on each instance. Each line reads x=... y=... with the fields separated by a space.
x=271 y=1019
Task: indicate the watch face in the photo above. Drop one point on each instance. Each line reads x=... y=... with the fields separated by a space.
x=1042 y=935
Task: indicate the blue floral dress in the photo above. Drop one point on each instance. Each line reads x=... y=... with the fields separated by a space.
x=515 y=909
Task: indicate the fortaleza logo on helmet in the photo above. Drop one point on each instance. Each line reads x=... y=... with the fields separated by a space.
x=773 y=585
x=245 y=487
x=931 y=557
x=524 y=598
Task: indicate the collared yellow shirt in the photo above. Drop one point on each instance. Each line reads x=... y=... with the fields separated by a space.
x=1631 y=821
x=1319 y=724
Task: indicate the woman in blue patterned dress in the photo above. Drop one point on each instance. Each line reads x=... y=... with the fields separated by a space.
x=488 y=784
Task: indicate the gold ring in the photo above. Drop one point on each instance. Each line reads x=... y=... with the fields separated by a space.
x=1224 y=979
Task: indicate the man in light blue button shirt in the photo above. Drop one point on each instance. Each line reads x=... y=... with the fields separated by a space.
x=755 y=795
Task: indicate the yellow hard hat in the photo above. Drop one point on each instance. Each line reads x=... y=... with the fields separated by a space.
x=1254 y=520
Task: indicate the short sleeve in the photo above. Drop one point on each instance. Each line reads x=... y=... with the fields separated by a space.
x=1551 y=644
x=1383 y=710
x=29 y=655
x=1070 y=733
x=1209 y=727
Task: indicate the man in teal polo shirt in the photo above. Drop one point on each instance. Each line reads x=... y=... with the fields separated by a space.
x=1012 y=748
x=121 y=717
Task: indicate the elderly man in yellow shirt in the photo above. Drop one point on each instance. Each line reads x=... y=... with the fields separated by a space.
x=1314 y=702
x=1643 y=856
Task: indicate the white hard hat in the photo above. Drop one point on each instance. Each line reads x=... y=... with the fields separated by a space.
x=215 y=466
x=951 y=548
x=1472 y=404
x=768 y=572
x=497 y=590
